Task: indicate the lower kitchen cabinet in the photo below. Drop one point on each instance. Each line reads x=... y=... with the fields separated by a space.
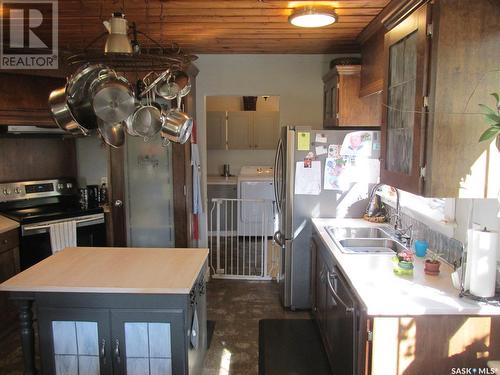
x=320 y=290
x=337 y=312
x=9 y=266
x=75 y=341
x=112 y=341
x=135 y=339
x=361 y=344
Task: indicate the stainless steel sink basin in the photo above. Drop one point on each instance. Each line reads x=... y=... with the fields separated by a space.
x=364 y=240
x=351 y=232
x=370 y=246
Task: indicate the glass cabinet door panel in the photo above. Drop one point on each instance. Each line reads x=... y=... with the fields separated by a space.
x=401 y=104
x=148 y=348
x=76 y=349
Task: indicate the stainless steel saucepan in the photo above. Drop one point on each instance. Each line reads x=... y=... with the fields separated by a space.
x=61 y=112
x=147 y=119
x=177 y=125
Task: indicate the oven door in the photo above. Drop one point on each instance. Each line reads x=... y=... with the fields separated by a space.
x=35 y=238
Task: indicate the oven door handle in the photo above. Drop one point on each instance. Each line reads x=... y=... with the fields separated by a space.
x=44 y=228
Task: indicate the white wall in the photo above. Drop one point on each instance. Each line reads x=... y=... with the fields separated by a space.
x=296 y=79
x=484 y=213
x=92 y=160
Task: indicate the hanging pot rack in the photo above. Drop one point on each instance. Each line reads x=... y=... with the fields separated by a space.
x=156 y=58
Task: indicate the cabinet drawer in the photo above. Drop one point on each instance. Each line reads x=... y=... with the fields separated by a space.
x=9 y=240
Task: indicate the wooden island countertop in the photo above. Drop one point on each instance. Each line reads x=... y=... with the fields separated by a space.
x=113 y=270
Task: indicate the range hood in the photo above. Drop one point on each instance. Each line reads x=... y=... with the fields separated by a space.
x=18 y=129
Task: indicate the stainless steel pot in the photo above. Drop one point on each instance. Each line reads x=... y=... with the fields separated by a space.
x=113 y=98
x=183 y=82
x=147 y=121
x=167 y=88
x=177 y=125
x=78 y=89
x=112 y=133
x=129 y=124
x=61 y=112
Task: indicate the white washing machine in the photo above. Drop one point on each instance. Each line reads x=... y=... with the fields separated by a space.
x=256 y=218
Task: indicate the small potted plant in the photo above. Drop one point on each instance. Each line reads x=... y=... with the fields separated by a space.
x=432 y=264
x=403 y=263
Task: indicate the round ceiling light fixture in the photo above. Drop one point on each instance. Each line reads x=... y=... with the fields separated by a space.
x=312 y=17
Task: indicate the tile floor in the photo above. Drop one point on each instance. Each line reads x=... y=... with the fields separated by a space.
x=235 y=306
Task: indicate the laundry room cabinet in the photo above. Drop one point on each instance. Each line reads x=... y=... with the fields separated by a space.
x=242 y=130
x=216 y=130
x=251 y=130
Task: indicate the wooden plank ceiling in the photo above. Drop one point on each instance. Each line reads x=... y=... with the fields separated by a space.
x=220 y=26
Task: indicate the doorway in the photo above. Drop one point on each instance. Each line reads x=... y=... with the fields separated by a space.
x=242 y=133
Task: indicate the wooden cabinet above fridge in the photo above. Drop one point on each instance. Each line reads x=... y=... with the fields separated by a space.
x=342 y=105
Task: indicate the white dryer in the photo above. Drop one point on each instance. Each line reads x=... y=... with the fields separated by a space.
x=257 y=205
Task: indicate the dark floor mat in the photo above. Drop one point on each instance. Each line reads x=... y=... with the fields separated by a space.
x=291 y=347
x=210 y=331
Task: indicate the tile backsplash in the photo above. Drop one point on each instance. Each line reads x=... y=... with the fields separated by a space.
x=449 y=248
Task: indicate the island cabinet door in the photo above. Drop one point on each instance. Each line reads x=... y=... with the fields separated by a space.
x=148 y=342
x=75 y=341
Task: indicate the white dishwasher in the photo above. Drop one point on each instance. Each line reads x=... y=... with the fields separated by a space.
x=256 y=207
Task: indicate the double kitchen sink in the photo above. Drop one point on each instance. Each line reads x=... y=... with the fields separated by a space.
x=365 y=240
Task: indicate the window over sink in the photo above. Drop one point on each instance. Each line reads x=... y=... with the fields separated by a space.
x=436 y=212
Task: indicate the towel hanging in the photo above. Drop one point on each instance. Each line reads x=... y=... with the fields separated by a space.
x=62 y=235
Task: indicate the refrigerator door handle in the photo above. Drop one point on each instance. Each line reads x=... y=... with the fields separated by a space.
x=278 y=238
x=277 y=160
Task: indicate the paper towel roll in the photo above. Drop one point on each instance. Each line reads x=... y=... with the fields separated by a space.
x=482 y=261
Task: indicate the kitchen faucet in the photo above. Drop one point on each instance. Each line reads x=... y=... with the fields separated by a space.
x=403 y=234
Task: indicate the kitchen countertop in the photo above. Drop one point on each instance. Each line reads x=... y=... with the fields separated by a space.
x=221 y=180
x=112 y=270
x=386 y=294
x=7 y=224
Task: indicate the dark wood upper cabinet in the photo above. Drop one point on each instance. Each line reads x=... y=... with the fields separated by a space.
x=406 y=53
x=24 y=99
x=372 y=65
x=342 y=105
x=440 y=62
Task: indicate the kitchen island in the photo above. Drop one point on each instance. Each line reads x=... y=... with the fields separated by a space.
x=376 y=322
x=114 y=311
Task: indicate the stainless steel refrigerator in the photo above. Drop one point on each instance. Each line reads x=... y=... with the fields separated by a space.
x=294 y=229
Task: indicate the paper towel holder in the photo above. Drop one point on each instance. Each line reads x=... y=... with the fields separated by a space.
x=495 y=300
